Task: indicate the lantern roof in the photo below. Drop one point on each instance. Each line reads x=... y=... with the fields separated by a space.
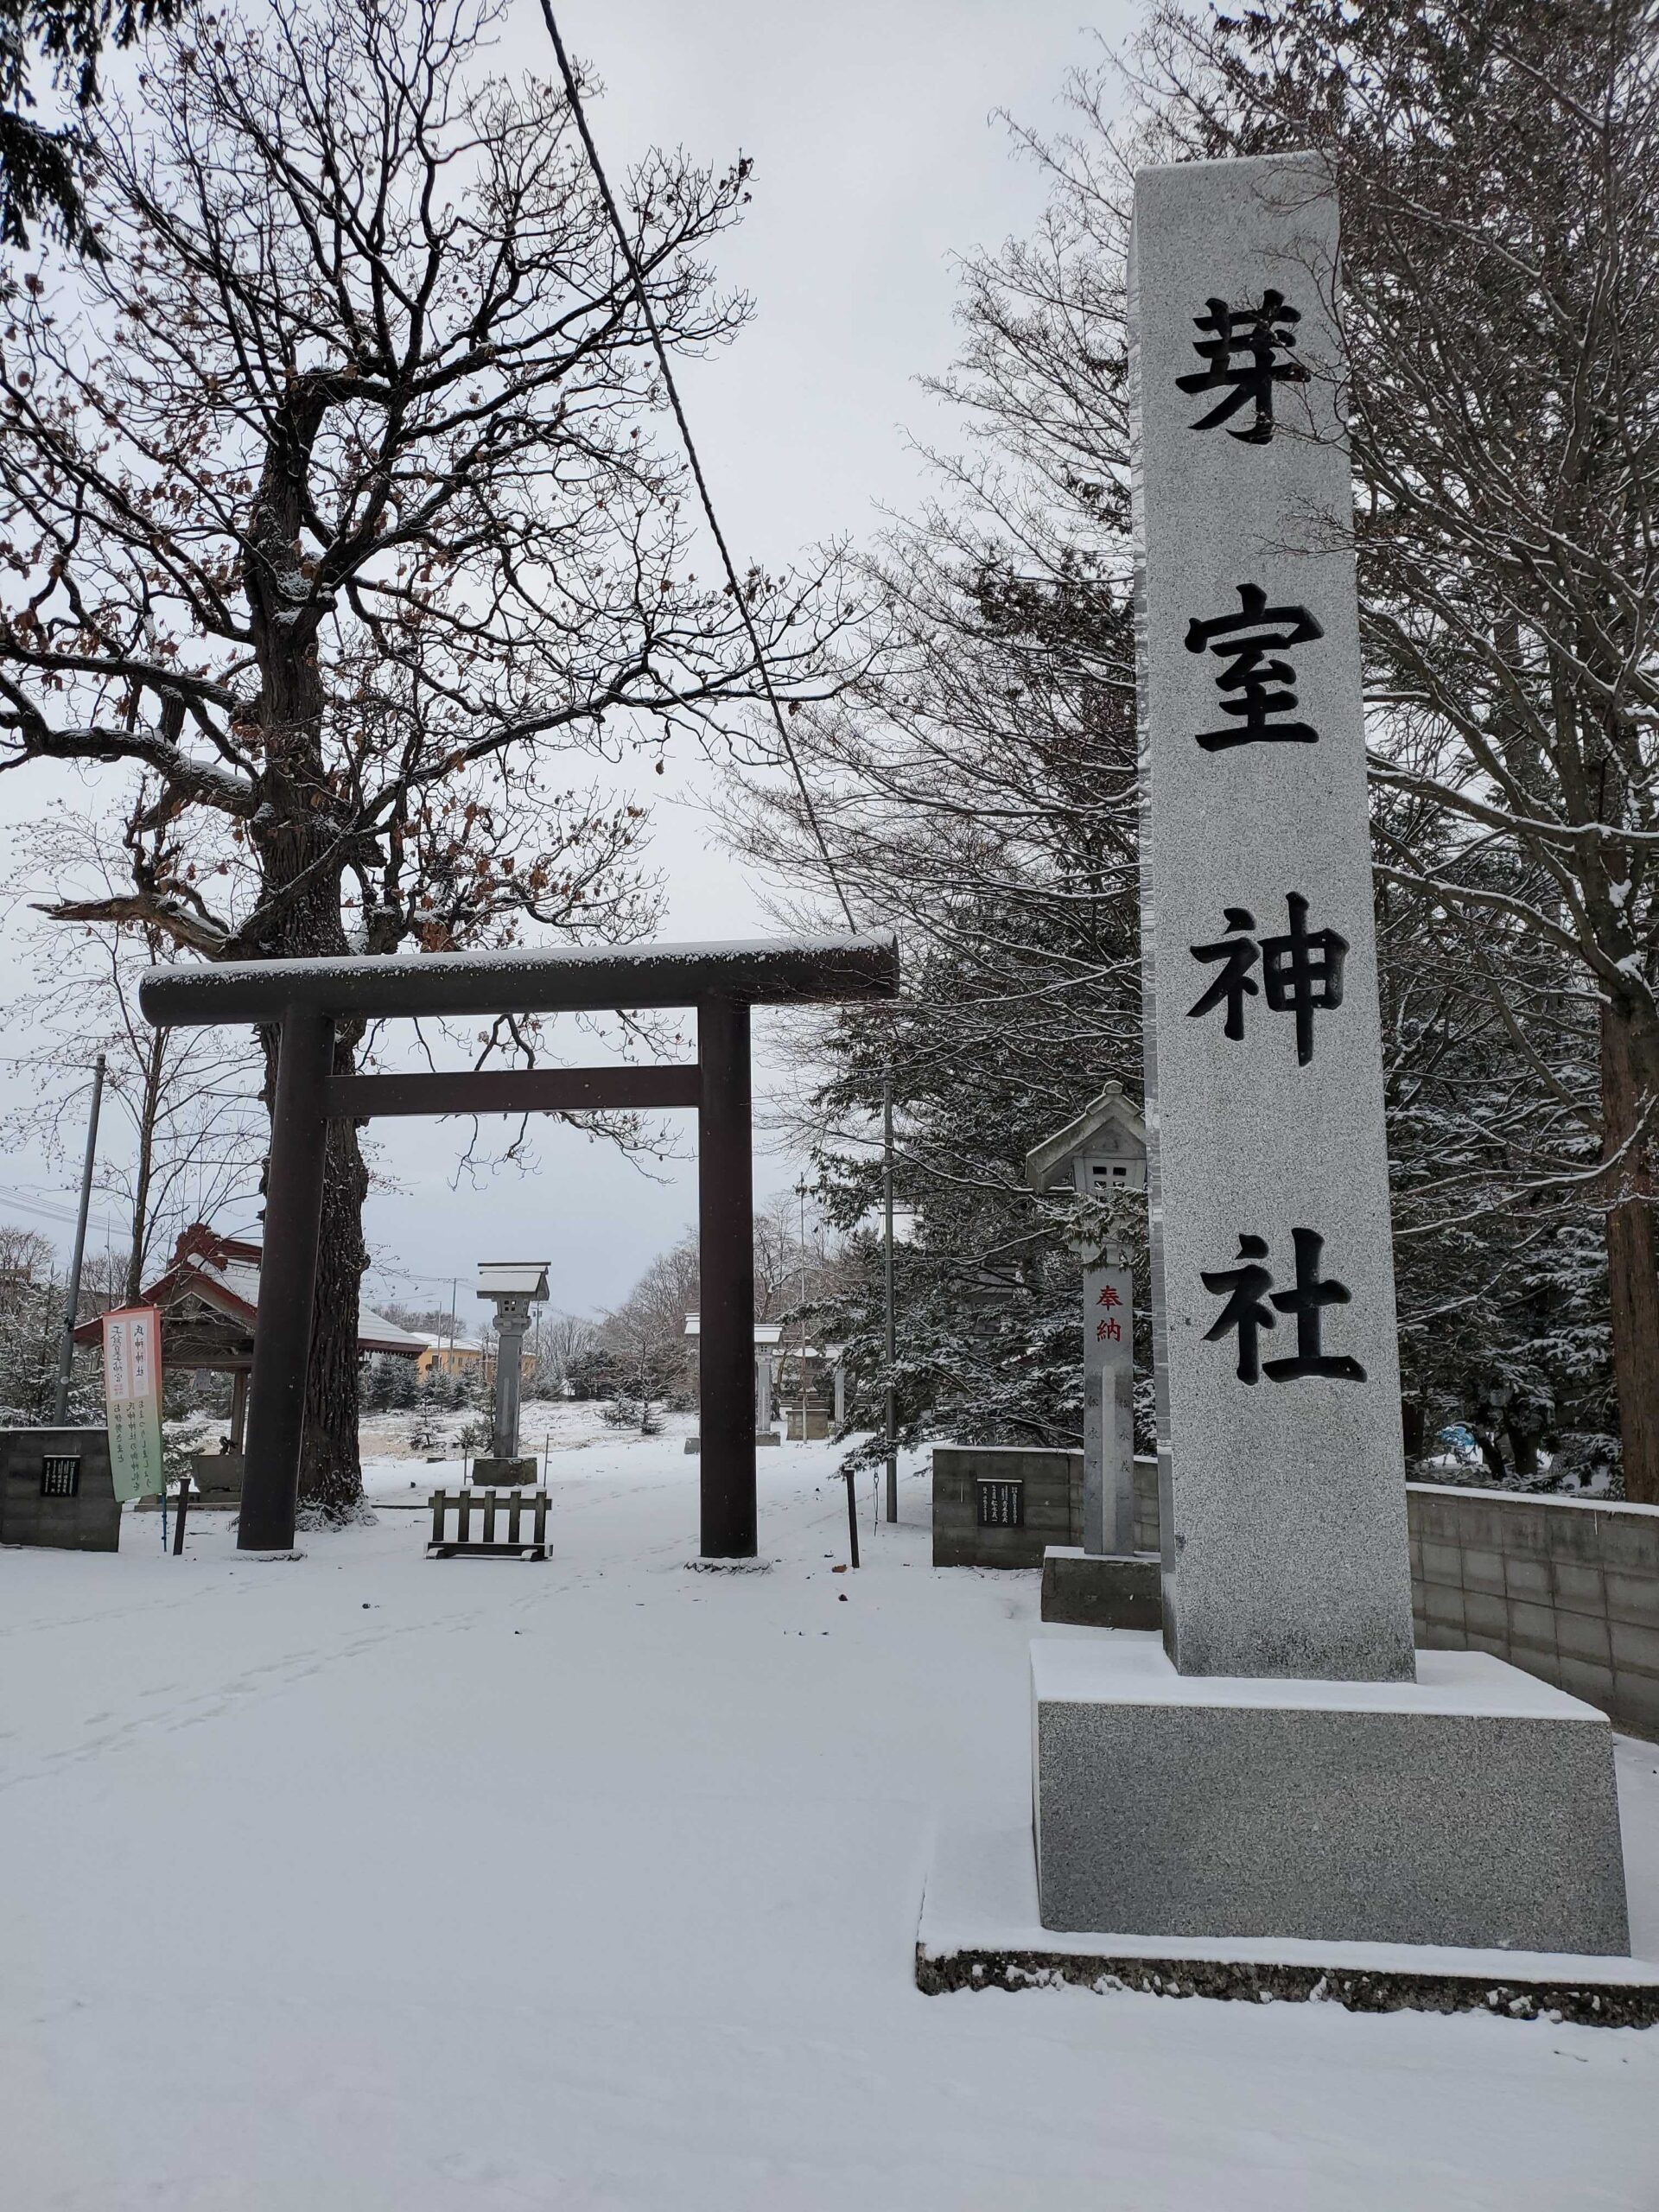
x=513 y=1279
x=1108 y=1130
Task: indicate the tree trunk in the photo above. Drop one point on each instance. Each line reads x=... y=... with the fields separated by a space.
x=1628 y=1084
x=1523 y=1452
x=296 y=836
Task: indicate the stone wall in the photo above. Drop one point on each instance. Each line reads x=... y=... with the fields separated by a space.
x=1567 y=1589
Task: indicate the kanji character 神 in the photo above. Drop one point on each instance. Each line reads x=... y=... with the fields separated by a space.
x=1301 y=971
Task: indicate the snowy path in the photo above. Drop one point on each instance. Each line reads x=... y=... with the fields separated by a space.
x=362 y=1882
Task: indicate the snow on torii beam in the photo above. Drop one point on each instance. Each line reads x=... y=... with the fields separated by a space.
x=302 y=999
x=777 y=971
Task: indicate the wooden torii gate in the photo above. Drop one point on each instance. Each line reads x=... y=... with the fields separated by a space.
x=303 y=999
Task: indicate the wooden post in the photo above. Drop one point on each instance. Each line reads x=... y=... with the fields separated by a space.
x=726 y=1293
x=238 y=1409
x=179 y=1518
x=288 y=1280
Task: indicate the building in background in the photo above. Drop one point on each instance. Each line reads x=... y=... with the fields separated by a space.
x=208 y=1297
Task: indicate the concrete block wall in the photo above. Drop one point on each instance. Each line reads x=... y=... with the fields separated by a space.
x=1567 y=1589
x=90 y=1520
x=1053 y=1487
x=1052 y=1482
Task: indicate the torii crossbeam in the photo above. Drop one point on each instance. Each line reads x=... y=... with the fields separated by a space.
x=304 y=998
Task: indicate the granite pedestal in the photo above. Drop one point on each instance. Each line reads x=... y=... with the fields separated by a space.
x=1472 y=1807
x=217 y=1479
x=1089 y=1590
x=515 y=1473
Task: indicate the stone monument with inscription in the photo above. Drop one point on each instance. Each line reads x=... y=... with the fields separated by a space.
x=1280 y=1766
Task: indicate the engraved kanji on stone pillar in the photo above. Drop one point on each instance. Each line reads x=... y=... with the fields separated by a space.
x=1281 y=1469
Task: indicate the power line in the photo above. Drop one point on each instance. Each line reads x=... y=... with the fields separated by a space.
x=12 y=1201
x=579 y=114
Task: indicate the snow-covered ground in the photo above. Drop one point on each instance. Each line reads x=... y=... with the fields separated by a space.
x=399 y=1464
x=363 y=1884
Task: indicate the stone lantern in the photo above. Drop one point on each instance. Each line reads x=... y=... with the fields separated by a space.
x=1102 y=1158
x=513 y=1286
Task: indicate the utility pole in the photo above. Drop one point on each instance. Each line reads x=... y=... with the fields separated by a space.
x=800 y=1192
x=72 y=1311
x=886 y=1291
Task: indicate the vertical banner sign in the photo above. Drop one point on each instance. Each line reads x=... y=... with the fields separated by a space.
x=1281 y=1460
x=1108 y=1408
x=132 y=1395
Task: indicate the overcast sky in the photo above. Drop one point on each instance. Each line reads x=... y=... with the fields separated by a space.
x=877 y=159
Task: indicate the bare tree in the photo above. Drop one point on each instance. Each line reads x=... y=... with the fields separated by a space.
x=789 y=1270
x=645 y=1334
x=31 y=1318
x=978 y=792
x=1497 y=162
x=187 y=1099
x=328 y=511
x=561 y=1339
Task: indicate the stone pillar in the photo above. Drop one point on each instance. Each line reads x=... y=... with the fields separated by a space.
x=1109 y=1406
x=838 y=1389
x=1281 y=1468
x=763 y=1412
x=1321 y=1792
x=512 y=1322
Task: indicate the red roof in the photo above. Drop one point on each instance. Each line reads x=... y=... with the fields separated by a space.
x=224 y=1273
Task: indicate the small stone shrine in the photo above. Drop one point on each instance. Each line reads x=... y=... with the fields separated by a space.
x=1281 y=1766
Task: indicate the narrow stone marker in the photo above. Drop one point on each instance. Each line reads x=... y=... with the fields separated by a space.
x=1279 y=1769
x=1281 y=1458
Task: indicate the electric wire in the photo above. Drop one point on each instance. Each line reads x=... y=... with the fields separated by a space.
x=613 y=213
